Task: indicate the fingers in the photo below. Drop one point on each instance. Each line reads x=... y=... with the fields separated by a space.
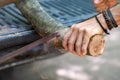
x=76 y=40
x=66 y=38
x=85 y=42
x=72 y=41
x=82 y=42
x=78 y=45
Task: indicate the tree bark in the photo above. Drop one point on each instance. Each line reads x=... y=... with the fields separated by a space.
x=45 y=25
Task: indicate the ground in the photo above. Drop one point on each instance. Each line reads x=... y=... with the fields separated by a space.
x=72 y=67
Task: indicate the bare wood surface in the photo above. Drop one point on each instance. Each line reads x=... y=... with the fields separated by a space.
x=94 y=48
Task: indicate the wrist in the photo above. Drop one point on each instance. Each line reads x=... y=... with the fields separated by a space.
x=116 y=14
x=102 y=21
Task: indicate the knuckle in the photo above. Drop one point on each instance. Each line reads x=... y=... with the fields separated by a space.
x=81 y=30
x=87 y=31
x=75 y=27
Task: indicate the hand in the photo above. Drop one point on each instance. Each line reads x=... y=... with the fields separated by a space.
x=77 y=38
x=104 y=4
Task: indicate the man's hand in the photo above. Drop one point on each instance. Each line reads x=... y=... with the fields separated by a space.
x=78 y=36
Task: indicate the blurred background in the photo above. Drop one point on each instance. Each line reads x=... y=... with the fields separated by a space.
x=63 y=67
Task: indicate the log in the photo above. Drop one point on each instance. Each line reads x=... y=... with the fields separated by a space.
x=93 y=48
x=44 y=25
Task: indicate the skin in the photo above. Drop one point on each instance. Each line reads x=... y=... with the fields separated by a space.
x=101 y=5
x=77 y=38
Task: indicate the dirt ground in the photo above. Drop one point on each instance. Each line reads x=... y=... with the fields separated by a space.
x=72 y=67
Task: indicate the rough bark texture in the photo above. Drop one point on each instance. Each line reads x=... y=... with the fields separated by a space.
x=45 y=25
x=41 y=21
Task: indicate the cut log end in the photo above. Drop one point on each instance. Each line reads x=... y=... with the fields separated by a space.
x=96 y=45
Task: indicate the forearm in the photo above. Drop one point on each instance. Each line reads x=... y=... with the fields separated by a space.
x=116 y=14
